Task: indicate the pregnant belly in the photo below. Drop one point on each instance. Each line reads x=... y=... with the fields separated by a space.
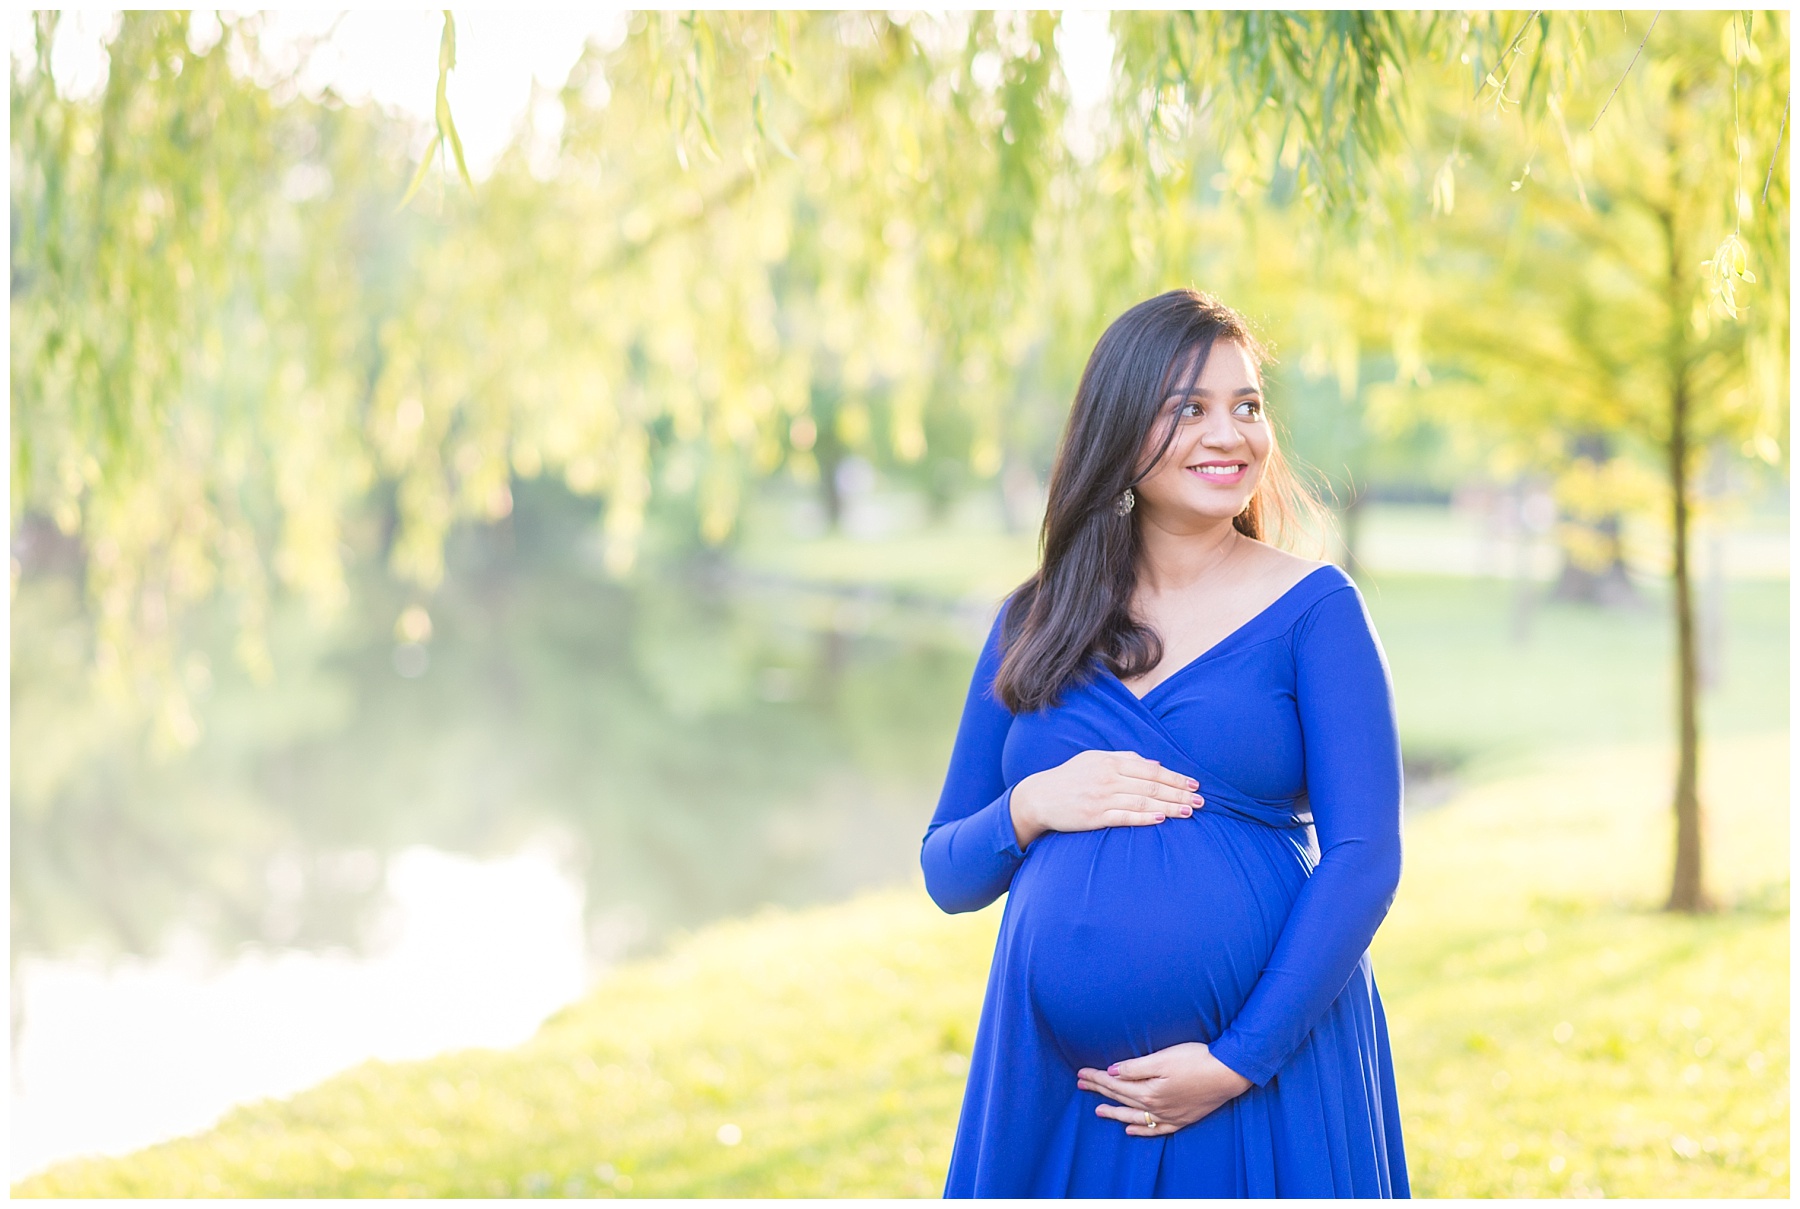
x=1133 y=939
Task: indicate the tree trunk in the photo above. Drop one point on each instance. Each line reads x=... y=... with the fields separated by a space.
x=829 y=452
x=1580 y=581
x=831 y=494
x=1608 y=587
x=1687 y=891
x=1712 y=596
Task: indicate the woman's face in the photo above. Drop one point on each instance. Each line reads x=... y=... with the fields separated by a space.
x=1222 y=441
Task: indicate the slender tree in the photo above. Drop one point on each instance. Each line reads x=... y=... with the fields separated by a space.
x=1605 y=314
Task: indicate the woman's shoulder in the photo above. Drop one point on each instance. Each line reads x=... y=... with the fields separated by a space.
x=1308 y=593
x=1287 y=571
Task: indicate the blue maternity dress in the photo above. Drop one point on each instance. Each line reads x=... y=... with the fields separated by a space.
x=1235 y=926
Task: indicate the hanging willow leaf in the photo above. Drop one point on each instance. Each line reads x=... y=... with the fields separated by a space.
x=446 y=124
x=770 y=135
x=418 y=176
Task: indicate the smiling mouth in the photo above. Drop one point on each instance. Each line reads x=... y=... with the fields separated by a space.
x=1215 y=470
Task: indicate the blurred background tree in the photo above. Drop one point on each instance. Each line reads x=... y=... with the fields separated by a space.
x=851 y=217
x=1611 y=340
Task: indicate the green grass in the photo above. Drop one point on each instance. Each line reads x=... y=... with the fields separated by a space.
x=1467 y=684
x=1471 y=684
x=1554 y=1034
x=1557 y=1036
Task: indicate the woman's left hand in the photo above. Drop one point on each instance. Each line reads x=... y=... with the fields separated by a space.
x=1176 y=1086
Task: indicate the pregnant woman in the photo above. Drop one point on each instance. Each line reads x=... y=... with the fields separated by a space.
x=1179 y=760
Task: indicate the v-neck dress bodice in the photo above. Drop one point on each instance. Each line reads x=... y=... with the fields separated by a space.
x=1245 y=926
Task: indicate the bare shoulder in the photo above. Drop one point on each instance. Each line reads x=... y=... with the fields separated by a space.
x=1278 y=569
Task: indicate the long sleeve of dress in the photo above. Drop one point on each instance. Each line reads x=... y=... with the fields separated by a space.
x=971 y=851
x=1353 y=779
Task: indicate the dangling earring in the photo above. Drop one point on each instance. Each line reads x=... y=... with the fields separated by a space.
x=1126 y=503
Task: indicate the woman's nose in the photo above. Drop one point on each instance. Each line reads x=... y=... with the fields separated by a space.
x=1221 y=434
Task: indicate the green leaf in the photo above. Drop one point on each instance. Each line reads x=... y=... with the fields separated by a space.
x=759 y=112
x=418 y=178
x=446 y=125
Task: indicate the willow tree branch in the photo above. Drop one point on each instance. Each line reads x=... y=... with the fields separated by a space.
x=1628 y=67
x=726 y=194
x=1507 y=53
x=1773 y=154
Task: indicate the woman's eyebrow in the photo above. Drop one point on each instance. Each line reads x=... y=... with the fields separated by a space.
x=1202 y=393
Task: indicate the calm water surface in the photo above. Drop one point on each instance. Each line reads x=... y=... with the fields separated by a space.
x=400 y=847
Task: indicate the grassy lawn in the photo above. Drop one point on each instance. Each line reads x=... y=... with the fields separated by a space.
x=1468 y=686
x=1474 y=686
x=1555 y=1035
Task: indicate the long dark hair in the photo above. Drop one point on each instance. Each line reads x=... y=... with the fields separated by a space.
x=1078 y=604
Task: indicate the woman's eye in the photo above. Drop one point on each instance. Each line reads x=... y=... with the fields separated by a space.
x=1249 y=407
x=1188 y=411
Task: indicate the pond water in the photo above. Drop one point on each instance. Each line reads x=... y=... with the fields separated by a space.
x=402 y=846
x=114 y=1055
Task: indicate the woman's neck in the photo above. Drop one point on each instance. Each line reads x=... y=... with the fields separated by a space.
x=1174 y=559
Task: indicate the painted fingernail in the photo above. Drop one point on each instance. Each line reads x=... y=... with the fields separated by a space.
x=1198 y=800
x=1187 y=811
x=1113 y=1069
x=1160 y=818
x=1193 y=784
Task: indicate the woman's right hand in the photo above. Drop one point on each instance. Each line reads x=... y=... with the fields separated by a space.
x=1096 y=789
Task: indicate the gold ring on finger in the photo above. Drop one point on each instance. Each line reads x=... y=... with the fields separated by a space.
x=1149 y=1121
